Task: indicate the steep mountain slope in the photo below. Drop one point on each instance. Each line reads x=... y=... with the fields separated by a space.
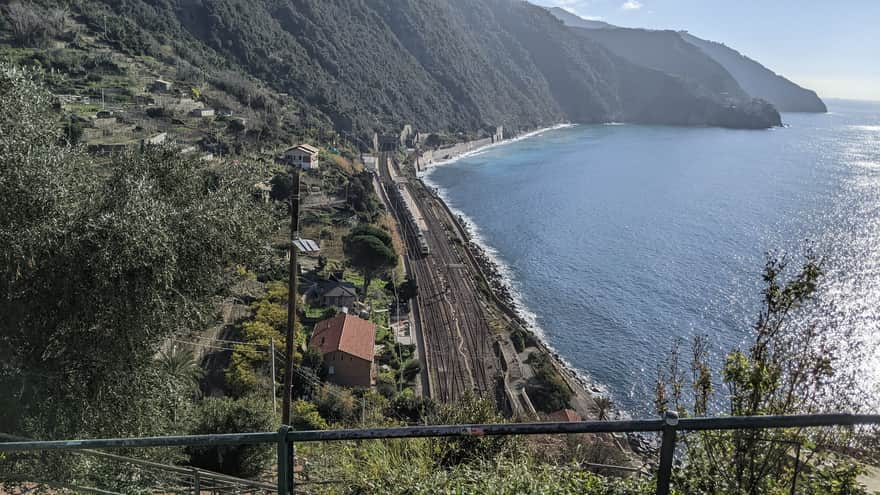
x=360 y=65
x=713 y=67
x=760 y=81
x=667 y=52
x=574 y=20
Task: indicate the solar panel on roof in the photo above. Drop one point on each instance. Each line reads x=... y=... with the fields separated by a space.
x=306 y=245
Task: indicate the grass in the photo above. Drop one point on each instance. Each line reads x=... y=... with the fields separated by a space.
x=83 y=110
x=313 y=312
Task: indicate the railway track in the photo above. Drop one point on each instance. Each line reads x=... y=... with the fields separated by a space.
x=457 y=337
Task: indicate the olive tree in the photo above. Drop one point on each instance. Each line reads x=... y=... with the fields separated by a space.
x=102 y=260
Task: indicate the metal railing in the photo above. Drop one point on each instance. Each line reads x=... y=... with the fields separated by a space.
x=285 y=437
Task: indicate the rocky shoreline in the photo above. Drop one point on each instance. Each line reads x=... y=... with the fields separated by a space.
x=643 y=445
x=499 y=285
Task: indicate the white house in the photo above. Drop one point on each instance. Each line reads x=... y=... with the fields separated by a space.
x=304 y=156
x=202 y=112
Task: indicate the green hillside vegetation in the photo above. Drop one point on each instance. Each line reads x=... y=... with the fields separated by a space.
x=103 y=261
x=710 y=67
x=668 y=52
x=310 y=67
x=760 y=81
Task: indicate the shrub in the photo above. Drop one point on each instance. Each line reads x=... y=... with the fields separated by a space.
x=235 y=125
x=337 y=404
x=31 y=26
x=73 y=132
x=306 y=417
x=547 y=390
x=224 y=415
x=411 y=408
x=470 y=410
x=518 y=341
x=157 y=112
x=411 y=369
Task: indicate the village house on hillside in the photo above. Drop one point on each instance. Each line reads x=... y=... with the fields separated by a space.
x=304 y=156
x=346 y=342
x=160 y=86
x=333 y=293
x=202 y=112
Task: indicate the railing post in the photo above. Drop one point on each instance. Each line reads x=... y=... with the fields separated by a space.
x=292 y=468
x=797 y=467
x=197 y=482
x=667 y=451
x=284 y=468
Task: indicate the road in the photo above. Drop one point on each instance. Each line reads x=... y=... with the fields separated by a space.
x=458 y=355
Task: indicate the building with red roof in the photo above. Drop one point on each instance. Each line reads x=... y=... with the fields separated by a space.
x=347 y=343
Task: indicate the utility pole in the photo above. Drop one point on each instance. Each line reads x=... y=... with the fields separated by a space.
x=291 y=298
x=291 y=318
x=274 y=401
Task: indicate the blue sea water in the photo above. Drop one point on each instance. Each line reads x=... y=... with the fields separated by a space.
x=620 y=239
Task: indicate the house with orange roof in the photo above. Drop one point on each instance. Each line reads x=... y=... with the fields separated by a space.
x=347 y=343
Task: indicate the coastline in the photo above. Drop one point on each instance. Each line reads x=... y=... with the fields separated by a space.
x=426 y=165
x=499 y=277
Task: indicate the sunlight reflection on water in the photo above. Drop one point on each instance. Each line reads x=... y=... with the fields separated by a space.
x=639 y=235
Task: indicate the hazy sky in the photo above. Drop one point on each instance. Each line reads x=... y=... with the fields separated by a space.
x=832 y=47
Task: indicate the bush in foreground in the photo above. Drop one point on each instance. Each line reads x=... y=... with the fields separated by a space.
x=225 y=415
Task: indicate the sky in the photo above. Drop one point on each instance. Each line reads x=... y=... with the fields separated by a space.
x=832 y=47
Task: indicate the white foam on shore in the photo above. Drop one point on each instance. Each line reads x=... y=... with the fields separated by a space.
x=482 y=149
x=507 y=277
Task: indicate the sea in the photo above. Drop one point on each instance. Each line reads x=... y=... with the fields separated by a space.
x=619 y=241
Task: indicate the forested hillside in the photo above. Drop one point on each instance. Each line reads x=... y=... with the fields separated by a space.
x=359 y=65
x=667 y=52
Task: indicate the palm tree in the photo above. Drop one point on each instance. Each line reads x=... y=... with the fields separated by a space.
x=603 y=407
x=181 y=366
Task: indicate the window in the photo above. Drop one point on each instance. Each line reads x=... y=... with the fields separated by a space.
x=331 y=370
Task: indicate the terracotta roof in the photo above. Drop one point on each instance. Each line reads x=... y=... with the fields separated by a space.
x=564 y=415
x=345 y=333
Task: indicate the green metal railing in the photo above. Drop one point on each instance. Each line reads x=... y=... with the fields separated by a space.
x=285 y=437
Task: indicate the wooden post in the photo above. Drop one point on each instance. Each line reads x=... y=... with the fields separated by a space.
x=291 y=299
x=274 y=402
